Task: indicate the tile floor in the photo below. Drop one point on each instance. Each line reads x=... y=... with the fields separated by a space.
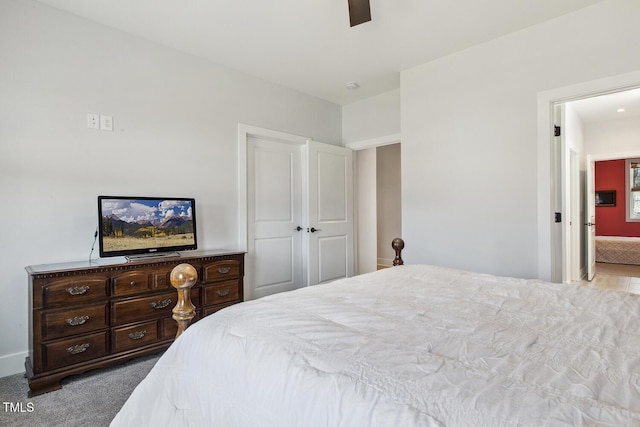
x=619 y=277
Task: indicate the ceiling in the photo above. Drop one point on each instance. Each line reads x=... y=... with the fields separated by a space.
x=605 y=107
x=308 y=45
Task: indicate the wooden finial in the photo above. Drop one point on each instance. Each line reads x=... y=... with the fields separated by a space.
x=183 y=277
x=398 y=245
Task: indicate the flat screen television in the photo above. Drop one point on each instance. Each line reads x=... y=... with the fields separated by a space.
x=138 y=226
x=606 y=198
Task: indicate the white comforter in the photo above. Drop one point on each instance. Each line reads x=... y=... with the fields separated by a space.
x=406 y=346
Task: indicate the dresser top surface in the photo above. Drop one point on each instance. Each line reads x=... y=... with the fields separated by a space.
x=122 y=261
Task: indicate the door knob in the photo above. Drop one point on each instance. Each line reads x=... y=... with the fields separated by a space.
x=313 y=230
x=298 y=228
x=589 y=224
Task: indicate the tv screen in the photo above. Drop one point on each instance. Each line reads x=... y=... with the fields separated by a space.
x=606 y=198
x=145 y=225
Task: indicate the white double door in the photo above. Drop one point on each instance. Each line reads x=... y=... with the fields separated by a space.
x=300 y=214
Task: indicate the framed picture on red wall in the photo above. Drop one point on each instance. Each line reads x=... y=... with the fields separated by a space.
x=606 y=198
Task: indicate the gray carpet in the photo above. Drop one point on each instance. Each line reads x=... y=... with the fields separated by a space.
x=91 y=399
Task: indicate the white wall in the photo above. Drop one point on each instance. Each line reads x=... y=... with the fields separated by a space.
x=176 y=120
x=471 y=190
x=574 y=131
x=371 y=118
x=366 y=210
x=389 y=200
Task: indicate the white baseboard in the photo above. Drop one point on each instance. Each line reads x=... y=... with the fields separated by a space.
x=12 y=364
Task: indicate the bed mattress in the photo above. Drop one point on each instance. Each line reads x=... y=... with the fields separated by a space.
x=406 y=346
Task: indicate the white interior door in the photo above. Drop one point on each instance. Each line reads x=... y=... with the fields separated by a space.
x=330 y=212
x=275 y=216
x=590 y=230
x=577 y=218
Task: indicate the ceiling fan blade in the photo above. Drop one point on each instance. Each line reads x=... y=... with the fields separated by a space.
x=359 y=12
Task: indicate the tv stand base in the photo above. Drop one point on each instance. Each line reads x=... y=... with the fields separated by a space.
x=156 y=255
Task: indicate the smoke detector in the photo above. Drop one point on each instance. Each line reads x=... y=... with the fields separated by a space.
x=352 y=85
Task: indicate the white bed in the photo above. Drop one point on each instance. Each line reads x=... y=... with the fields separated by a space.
x=406 y=346
x=618 y=249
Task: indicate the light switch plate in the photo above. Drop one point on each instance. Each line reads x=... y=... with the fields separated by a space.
x=106 y=123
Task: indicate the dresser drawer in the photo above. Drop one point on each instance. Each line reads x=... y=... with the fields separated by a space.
x=132 y=310
x=221 y=293
x=221 y=270
x=160 y=280
x=139 y=335
x=60 y=323
x=130 y=283
x=75 y=290
x=75 y=350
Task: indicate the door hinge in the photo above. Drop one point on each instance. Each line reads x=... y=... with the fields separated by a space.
x=557 y=131
x=558 y=217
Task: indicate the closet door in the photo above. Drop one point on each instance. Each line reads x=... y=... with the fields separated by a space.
x=330 y=212
x=275 y=219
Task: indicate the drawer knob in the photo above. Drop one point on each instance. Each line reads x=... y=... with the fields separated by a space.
x=80 y=348
x=133 y=283
x=77 y=321
x=160 y=304
x=223 y=292
x=78 y=290
x=137 y=335
x=224 y=270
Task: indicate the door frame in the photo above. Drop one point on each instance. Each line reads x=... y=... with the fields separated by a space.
x=363 y=237
x=549 y=184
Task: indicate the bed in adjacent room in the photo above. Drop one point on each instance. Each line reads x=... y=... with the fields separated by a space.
x=618 y=249
x=412 y=345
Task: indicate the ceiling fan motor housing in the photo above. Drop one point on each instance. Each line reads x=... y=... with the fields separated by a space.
x=359 y=12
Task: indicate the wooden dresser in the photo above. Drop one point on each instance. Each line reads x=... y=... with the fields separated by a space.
x=91 y=315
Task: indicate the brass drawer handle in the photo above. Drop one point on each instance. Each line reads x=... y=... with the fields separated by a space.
x=77 y=321
x=223 y=292
x=224 y=270
x=80 y=348
x=160 y=304
x=78 y=290
x=137 y=335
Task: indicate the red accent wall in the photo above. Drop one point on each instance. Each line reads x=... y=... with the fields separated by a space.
x=611 y=220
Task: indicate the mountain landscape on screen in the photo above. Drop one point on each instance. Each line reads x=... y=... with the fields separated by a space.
x=145 y=224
